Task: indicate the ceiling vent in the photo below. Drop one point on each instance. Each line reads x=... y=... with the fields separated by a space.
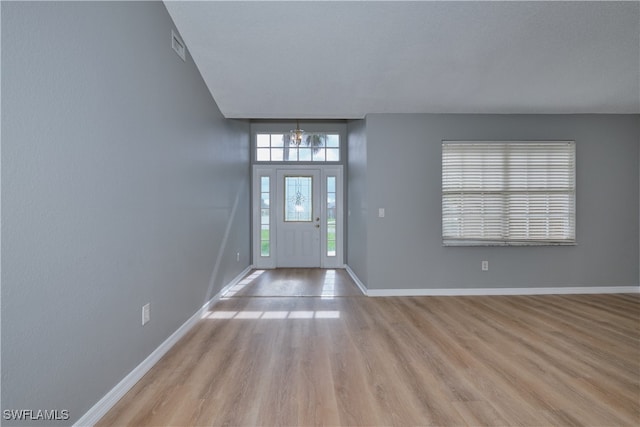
x=178 y=45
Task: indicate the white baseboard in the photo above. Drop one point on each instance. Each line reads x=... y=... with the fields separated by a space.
x=356 y=279
x=115 y=394
x=535 y=290
x=505 y=291
x=538 y=290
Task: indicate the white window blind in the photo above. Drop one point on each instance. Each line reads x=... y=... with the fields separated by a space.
x=508 y=193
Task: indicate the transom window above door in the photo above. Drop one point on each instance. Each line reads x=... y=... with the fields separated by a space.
x=314 y=147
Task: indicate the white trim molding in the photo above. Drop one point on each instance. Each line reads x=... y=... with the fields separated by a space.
x=357 y=280
x=276 y=173
x=504 y=291
x=531 y=290
x=93 y=415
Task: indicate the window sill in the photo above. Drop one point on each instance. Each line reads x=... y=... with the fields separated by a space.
x=469 y=243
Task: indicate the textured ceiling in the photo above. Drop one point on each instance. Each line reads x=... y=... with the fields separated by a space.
x=317 y=59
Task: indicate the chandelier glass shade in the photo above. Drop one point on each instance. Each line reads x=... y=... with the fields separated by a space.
x=295 y=136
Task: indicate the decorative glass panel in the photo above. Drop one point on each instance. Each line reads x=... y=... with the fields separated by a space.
x=265 y=216
x=298 y=194
x=331 y=216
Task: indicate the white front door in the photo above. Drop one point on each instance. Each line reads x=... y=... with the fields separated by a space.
x=298 y=218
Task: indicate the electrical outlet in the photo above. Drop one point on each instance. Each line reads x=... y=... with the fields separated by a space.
x=485 y=265
x=146 y=313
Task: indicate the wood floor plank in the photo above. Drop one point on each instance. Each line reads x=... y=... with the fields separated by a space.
x=303 y=347
x=479 y=413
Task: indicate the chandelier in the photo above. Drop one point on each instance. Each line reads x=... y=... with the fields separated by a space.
x=295 y=136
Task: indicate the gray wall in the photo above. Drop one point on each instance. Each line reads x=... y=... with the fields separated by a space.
x=357 y=212
x=122 y=184
x=403 y=175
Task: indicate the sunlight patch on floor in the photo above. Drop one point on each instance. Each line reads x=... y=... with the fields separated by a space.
x=271 y=315
x=329 y=285
x=232 y=291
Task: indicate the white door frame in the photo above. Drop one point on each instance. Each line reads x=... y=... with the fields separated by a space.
x=269 y=259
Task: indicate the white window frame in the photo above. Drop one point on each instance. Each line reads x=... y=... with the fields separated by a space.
x=271 y=171
x=508 y=193
x=310 y=127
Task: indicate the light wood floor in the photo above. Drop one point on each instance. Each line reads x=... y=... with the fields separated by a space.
x=262 y=359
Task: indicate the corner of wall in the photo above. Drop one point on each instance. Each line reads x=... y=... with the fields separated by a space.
x=357 y=199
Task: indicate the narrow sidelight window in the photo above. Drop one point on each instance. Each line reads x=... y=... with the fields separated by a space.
x=331 y=216
x=265 y=216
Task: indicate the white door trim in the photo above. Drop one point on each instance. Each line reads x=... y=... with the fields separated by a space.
x=271 y=172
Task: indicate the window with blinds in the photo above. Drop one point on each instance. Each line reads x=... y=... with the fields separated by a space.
x=508 y=193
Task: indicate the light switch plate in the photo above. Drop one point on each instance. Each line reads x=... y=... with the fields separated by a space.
x=146 y=313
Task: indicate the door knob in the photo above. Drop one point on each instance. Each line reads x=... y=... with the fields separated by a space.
x=317 y=225
x=318 y=219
